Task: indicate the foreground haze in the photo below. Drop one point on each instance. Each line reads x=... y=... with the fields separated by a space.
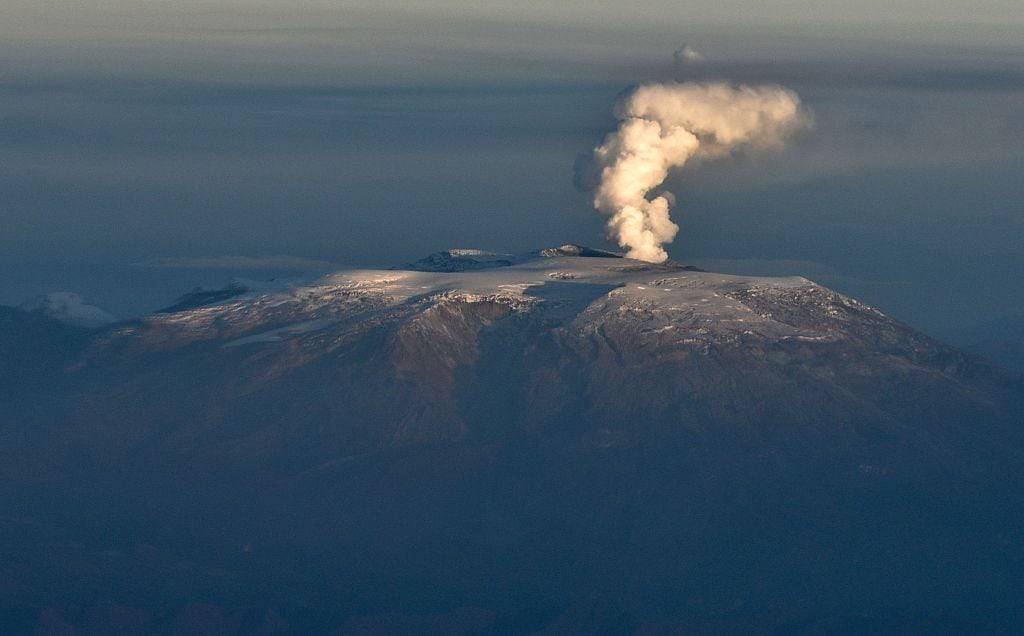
x=563 y=440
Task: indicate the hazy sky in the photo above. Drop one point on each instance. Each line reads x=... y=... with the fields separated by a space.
x=138 y=137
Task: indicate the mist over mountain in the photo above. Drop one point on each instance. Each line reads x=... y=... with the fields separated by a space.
x=564 y=441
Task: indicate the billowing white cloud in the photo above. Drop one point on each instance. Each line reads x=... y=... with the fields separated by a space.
x=662 y=126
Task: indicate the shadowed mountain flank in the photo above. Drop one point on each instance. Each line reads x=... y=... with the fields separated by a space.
x=561 y=442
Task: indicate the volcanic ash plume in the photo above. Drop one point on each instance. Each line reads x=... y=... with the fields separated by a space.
x=665 y=125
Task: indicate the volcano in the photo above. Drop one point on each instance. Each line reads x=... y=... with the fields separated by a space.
x=565 y=441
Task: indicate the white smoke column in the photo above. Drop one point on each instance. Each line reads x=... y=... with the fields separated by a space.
x=662 y=126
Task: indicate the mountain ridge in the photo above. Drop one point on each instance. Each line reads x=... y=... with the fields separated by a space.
x=565 y=442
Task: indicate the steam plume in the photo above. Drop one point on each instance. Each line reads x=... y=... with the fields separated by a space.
x=662 y=126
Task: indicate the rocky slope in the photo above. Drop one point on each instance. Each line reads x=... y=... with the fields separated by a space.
x=565 y=441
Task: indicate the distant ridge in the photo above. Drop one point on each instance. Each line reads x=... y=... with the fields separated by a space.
x=201 y=297
x=576 y=250
x=458 y=260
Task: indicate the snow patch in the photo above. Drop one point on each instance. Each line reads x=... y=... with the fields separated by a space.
x=70 y=308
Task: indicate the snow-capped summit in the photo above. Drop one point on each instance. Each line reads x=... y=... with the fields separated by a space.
x=578 y=288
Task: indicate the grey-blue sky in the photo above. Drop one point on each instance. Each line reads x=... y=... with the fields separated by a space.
x=370 y=134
